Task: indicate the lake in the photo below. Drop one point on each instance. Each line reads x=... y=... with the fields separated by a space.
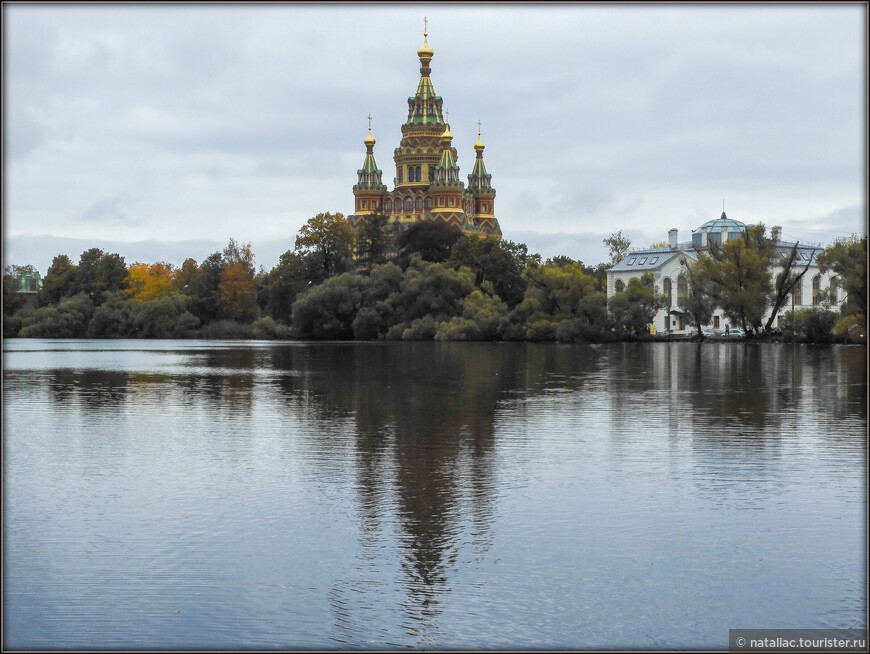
x=256 y=495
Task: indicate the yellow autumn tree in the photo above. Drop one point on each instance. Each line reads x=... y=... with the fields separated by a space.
x=146 y=282
x=236 y=295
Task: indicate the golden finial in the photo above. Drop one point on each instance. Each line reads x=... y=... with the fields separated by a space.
x=446 y=135
x=425 y=52
x=479 y=145
x=369 y=140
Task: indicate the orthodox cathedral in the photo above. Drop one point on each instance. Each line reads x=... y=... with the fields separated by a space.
x=427 y=185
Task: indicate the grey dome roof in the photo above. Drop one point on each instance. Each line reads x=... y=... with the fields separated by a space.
x=723 y=224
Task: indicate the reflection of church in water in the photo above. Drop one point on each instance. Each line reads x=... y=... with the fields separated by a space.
x=427 y=186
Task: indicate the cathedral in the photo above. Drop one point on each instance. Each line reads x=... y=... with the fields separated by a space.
x=427 y=185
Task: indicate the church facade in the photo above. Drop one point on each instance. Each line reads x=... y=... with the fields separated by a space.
x=427 y=185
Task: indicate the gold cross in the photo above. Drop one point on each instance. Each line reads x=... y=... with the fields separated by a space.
x=447 y=113
x=370 y=123
x=425 y=27
x=478 y=129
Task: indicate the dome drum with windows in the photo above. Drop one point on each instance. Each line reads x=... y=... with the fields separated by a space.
x=427 y=185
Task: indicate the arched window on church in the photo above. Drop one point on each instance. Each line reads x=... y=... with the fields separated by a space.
x=388 y=205
x=817 y=287
x=428 y=203
x=682 y=290
x=431 y=173
x=619 y=286
x=409 y=204
x=419 y=204
x=667 y=291
x=835 y=285
x=399 y=175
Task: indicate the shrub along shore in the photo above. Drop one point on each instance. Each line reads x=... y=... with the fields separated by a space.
x=428 y=282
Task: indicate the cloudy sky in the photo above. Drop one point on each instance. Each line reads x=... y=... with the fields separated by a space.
x=160 y=131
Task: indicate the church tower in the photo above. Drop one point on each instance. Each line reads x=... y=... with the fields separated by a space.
x=369 y=190
x=427 y=185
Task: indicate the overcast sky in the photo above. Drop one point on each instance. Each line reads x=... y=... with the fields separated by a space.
x=160 y=131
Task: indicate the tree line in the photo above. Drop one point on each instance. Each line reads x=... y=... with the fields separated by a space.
x=427 y=282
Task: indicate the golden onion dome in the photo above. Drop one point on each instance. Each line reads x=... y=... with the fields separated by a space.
x=446 y=135
x=479 y=146
x=425 y=52
x=369 y=140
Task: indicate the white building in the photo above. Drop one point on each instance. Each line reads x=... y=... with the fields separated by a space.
x=668 y=263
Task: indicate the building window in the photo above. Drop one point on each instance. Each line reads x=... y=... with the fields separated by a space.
x=483 y=207
x=428 y=203
x=835 y=283
x=682 y=289
x=365 y=204
x=431 y=174
x=642 y=261
x=440 y=202
x=797 y=295
x=666 y=287
x=409 y=204
x=399 y=176
x=817 y=288
x=630 y=262
x=715 y=322
x=653 y=260
x=619 y=286
x=388 y=205
x=452 y=201
x=419 y=204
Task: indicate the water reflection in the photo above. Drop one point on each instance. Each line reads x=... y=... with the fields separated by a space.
x=414 y=432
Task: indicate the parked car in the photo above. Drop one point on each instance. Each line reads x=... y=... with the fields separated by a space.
x=735 y=332
x=707 y=332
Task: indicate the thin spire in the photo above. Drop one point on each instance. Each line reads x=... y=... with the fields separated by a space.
x=478 y=129
x=425 y=27
x=370 y=124
x=447 y=113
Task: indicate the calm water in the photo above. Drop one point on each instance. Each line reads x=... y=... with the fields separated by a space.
x=194 y=494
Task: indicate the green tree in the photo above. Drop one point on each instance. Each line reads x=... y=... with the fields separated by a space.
x=739 y=276
x=326 y=242
x=617 y=247
x=328 y=310
x=634 y=308
x=99 y=273
x=847 y=258
x=373 y=240
x=114 y=318
x=68 y=318
x=785 y=281
x=165 y=317
x=499 y=262
x=558 y=299
x=202 y=287
x=698 y=302
x=432 y=241
x=12 y=301
x=60 y=281
x=282 y=285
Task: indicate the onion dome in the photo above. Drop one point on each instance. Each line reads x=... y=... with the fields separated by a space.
x=425 y=52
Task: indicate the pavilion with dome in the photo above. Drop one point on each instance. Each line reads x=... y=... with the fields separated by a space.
x=668 y=263
x=427 y=185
